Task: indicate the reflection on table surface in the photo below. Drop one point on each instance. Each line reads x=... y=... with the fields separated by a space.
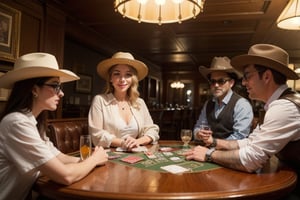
x=119 y=181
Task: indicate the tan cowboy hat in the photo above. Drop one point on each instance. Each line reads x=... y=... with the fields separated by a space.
x=267 y=55
x=122 y=58
x=219 y=64
x=35 y=65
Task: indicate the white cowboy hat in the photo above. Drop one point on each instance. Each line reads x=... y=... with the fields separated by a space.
x=267 y=55
x=122 y=58
x=35 y=65
x=219 y=64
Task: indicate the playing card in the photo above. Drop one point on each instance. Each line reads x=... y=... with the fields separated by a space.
x=111 y=157
x=132 y=159
x=175 y=169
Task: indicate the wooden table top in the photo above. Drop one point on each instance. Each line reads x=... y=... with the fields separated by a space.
x=117 y=181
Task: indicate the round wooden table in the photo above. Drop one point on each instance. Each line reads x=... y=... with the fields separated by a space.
x=117 y=181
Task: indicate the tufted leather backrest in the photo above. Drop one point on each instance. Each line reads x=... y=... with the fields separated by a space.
x=65 y=133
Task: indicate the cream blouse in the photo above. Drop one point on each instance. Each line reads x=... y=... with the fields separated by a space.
x=104 y=123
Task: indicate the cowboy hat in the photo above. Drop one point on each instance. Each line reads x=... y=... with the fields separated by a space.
x=267 y=55
x=35 y=65
x=122 y=58
x=219 y=64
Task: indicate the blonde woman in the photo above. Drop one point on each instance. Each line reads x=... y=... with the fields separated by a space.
x=119 y=118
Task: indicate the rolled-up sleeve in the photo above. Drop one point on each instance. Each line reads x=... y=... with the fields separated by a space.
x=281 y=125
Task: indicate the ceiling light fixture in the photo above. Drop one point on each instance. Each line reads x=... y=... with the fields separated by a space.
x=159 y=11
x=290 y=16
x=177 y=85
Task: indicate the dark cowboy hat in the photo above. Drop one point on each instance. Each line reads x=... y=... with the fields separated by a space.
x=267 y=55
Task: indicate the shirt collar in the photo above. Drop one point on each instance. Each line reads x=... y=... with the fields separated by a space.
x=30 y=116
x=275 y=95
x=227 y=97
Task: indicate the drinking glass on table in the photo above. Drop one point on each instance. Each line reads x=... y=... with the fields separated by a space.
x=85 y=146
x=204 y=127
x=186 y=136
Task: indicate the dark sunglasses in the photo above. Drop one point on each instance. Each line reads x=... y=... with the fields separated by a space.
x=57 y=87
x=220 y=81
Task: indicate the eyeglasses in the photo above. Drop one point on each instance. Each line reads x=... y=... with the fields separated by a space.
x=57 y=87
x=220 y=81
x=246 y=75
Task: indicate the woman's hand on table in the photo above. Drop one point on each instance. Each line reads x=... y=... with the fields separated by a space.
x=100 y=154
x=129 y=143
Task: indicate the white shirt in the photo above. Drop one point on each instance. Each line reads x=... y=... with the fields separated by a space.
x=22 y=150
x=130 y=129
x=281 y=125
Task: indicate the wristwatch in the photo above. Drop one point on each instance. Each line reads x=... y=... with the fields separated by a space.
x=208 y=157
x=213 y=144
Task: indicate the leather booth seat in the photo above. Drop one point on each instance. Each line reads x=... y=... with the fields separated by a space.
x=65 y=133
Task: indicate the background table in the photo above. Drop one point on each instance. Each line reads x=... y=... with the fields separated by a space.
x=117 y=181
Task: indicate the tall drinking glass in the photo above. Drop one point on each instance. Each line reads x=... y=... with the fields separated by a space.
x=205 y=126
x=186 y=136
x=85 y=146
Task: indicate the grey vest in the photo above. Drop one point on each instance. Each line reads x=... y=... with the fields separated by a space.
x=222 y=126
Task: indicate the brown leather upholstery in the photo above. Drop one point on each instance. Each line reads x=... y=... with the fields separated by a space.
x=65 y=133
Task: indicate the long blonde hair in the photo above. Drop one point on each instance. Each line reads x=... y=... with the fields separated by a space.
x=132 y=92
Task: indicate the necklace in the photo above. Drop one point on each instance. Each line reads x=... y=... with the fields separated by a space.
x=122 y=105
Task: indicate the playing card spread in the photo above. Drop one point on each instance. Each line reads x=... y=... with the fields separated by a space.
x=139 y=149
x=135 y=150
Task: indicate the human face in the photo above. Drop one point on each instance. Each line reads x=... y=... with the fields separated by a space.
x=220 y=84
x=47 y=96
x=253 y=83
x=121 y=78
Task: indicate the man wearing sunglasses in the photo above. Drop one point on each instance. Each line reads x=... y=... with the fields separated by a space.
x=228 y=114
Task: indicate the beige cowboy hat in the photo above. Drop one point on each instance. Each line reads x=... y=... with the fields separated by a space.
x=267 y=55
x=122 y=58
x=219 y=64
x=35 y=65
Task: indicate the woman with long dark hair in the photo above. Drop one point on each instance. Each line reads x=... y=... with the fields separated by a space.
x=25 y=150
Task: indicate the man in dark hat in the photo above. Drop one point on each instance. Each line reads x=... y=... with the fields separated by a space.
x=266 y=71
x=228 y=114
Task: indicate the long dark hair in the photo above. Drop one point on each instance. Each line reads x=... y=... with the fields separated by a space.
x=21 y=99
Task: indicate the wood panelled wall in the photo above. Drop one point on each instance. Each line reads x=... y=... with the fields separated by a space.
x=42 y=29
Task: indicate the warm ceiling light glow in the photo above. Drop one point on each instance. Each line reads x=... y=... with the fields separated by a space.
x=290 y=16
x=159 y=11
x=177 y=85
